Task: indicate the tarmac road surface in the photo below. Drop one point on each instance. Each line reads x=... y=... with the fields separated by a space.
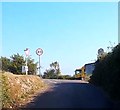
x=71 y=94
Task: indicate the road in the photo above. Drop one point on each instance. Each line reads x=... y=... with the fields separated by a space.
x=71 y=94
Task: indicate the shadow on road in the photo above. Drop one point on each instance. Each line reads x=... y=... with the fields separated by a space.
x=71 y=95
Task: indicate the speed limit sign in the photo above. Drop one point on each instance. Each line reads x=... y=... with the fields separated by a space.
x=39 y=51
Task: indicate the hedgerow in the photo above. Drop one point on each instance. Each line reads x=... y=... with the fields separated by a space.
x=107 y=73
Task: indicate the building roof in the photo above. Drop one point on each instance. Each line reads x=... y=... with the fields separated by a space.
x=79 y=69
x=89 y=64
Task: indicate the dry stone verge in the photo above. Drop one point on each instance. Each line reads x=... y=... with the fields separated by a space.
x=16 y=88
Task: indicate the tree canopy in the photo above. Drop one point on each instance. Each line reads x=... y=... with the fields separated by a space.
x=15 y=62
x=53 y=72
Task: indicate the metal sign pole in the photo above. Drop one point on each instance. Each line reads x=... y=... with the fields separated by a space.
x=26 y=66
x=39 y=67
x=39 y=52
x=27 y=52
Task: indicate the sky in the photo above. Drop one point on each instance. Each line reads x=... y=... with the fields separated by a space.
x=68 y=32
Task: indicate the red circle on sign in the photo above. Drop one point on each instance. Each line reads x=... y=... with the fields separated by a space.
x=39 y=51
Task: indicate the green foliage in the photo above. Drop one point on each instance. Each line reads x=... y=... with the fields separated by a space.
x=32 y=67
x=66 y=77
x=15 y=63
x=53 y=72
x=6 y=100
x=107 y=73
x=55 y=66
x=5 y=63
x=50 y=74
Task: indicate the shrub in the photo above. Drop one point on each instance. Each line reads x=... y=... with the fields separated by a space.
x=107 y=73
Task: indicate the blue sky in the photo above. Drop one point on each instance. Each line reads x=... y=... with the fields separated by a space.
x=70 y=33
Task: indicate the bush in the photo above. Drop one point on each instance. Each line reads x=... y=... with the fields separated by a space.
x=107 y=73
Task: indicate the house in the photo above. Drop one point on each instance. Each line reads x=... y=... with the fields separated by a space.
x=89 y=68
x=86 y=69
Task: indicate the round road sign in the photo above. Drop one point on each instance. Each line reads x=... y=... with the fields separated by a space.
x=39 y=51
x=27 y=51
x=100 y=51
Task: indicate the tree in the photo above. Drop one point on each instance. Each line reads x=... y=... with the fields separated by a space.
x=16 y=64
x=56 y=67
x=5 y=63
x=66 y=77
x=53 y=72
x=49 y=74
x=32 y=67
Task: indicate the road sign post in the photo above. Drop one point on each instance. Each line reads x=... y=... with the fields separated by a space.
x=27 y=52
x=39 y=52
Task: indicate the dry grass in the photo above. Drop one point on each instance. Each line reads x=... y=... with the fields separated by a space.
x=17 y=88
x=0 y=91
